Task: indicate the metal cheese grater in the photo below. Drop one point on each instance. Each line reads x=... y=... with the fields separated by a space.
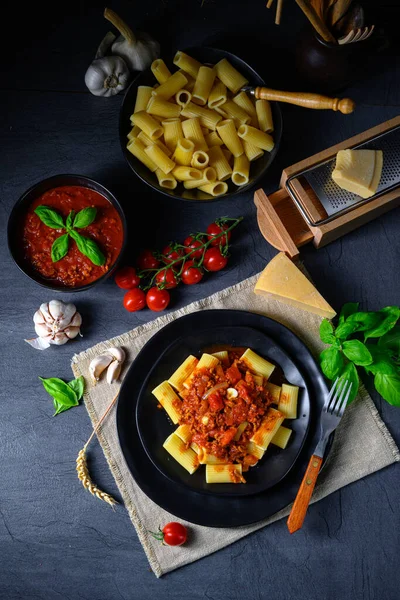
x=337 y=201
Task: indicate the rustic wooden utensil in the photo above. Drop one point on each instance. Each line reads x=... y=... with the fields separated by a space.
x=316 y=21
x=307 y=100
x=353 y=19
x=338 y=10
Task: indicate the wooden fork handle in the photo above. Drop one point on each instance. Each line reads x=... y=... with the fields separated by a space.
x=300 y=506
x=307 y=100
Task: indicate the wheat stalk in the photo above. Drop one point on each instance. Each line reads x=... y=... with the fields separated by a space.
x=82 y=468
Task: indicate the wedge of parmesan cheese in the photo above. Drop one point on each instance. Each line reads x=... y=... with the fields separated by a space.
x=283 y=281
x=358 y=171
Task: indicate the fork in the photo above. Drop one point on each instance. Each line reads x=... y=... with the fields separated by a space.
x=331 y=414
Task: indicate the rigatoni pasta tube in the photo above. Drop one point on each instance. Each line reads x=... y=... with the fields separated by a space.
x=227 y=132
x=143 y=95
x=268 y=428
x=182 y=372
x=219 y=162
x=224 y=474
x=256 y=137
x=186 y=457
x=230 y=76
x=192 y=131
x=172 y=132
x=251 y=151
x=264 y=116
x=208 y=118
x=241 y=169
x=218 y=95
x=160 y=70
x=200 y=159
x=169 y=88
x=187 y=63
x=228 y=155
x=246 y=103
x=234 y=111
x=281 y=437
x=166 y=180
x=159 y=157
x=148 y=142
x=162 y=108
x=257 y=364
x=218 y=188
x=183 y=152
x=168 y=400
x=209 y=175
x=134 y=132
x=184 y=432
x=136 y=147
x=186 y=173
x=183 y=97
x=213 y=139
x=203 y=85
x=150 y=126
x=288 y=400
x=274 y=391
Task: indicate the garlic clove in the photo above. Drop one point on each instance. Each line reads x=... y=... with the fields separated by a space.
x=43 y=329
x=231 y=393
x=62 y=313
x=117 y=353
x=71 y=332
x=76 y=320
x=59 y=339
x=98 y=365
x=113 y=371
x=38 y=317
x=44 y=309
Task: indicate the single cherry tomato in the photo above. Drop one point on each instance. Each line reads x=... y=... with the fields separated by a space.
x=157 y=299
x=147 y=260
x=173 y=534
x=134 y=300
x=214 y=260
x=126 y=278
x=191 y=244
x=191 y=274
x=166 y=279
x=214 y=229
x=170 y=254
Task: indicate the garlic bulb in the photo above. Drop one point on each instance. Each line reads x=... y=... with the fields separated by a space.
x=138 y=51
x=111 y=360
x=107 y=75
x=55 y=323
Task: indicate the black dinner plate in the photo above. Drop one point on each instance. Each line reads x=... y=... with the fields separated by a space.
x=215 y=510
x=154 y=425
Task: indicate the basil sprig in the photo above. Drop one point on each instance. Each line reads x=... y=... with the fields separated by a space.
x=82 y=219
x=65 y=395
x=381 y=359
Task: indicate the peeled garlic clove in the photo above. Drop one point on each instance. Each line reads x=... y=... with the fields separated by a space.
x=98 y=365
x=113 y=371
x=117 y=353
x=62 y=313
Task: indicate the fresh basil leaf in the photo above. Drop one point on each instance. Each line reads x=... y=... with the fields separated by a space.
x=391 y=315
x=388 y=387
x=381 y=362
x=345 y=329
x=357 y=352
x=89 y=248
x=59 y=248
x=85 y=217
x=59 y=408
x=364 y=320
x=78 y=385
x=60 y=391
x=350 y=374
x=70 y=218
x=49 y=217
x=326 y=332
x=391 y=342
x=331 y=362
x=347 y=310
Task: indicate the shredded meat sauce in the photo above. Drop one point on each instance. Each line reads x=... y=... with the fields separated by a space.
x=214 y=420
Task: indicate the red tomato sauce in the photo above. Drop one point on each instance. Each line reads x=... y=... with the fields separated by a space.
x=74 y=269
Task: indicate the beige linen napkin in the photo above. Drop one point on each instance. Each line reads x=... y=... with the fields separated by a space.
x=362 y=443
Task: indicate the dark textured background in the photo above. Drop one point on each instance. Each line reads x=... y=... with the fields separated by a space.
x=56 y=541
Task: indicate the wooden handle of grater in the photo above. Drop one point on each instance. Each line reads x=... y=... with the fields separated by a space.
x=315 y=101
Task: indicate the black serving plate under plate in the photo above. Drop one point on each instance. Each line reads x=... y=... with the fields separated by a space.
x=216 y=509
x=154 y=425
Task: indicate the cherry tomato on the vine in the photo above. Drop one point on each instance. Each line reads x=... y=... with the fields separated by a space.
x=214 y=229
x=126 y=278
x=173 y=534
x=169 y=254
x=191 y=274
x=214 y=260
x=157 y=299
x=166 y=279
x=191 y=244
x=134 y=300
x=147 y=260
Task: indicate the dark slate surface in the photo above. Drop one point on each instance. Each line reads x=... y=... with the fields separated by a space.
x=56 y=541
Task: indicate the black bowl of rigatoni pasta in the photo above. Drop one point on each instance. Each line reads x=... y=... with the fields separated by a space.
x=189 y=131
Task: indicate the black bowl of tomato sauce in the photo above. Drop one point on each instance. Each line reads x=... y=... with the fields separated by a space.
x=30 y=240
